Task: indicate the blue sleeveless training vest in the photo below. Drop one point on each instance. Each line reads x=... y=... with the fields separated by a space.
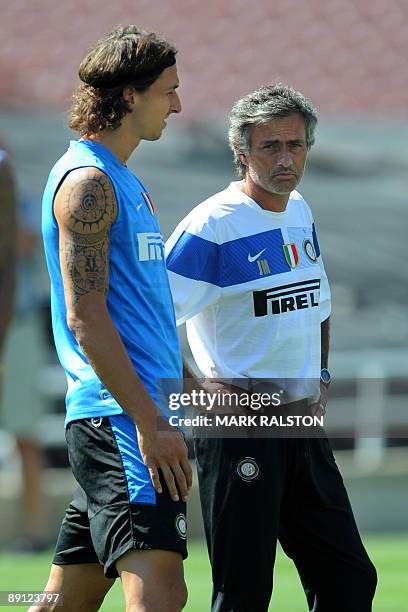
x=139 y=299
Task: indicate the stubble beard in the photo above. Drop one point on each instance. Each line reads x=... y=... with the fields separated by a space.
x=268 y=184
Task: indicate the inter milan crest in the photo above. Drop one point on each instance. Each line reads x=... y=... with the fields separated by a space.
x=291 y=254
x=309 y=250
x=247 y=469
x=181 y=526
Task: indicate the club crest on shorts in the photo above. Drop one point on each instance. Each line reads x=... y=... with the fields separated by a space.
x=291 y=254
x=309 y=250
x=181 y=525
x=96 y=421
x=247 y=469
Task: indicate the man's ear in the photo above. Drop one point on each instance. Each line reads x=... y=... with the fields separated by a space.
x=128 y=94
x=242 y=158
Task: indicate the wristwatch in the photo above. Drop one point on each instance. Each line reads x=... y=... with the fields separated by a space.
x=325 y=376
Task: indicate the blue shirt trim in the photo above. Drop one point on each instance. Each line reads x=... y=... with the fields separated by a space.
x=315 y=241
x=227 y=264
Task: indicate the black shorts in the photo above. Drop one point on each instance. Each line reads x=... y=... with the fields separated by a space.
x=115 y=507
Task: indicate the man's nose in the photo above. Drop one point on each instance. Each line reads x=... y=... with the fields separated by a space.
x=285 y=159
x=175 y=103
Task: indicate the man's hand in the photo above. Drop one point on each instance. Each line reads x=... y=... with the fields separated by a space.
x=231 y=398
x=319 y=408
x=166 y=450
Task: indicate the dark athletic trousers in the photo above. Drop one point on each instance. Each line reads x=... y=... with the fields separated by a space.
x=256 y=491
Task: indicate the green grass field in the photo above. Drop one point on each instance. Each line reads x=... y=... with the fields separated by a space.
x=389 y=554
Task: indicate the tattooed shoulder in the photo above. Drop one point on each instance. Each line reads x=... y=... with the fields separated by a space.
x=88 y=202
x=85 y=209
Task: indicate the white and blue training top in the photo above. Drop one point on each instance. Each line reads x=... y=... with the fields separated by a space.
x=252 y=288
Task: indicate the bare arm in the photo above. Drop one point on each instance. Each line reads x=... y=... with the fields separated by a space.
x=85 y=209
x=324 y=362
x=325 y=342
x=8 y=247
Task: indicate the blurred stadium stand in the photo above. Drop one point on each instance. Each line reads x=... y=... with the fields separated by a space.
x=349 y=57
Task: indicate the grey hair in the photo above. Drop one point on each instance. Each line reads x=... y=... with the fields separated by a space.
x=263 y=105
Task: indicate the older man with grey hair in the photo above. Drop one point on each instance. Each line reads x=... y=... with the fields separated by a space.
x=248 y=278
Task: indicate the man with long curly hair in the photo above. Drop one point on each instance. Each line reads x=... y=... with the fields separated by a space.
x=116 y=338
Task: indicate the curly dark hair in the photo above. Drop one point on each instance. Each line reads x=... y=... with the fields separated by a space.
x=124 y=56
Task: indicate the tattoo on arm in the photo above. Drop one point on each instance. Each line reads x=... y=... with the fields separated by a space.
x=87 y=207
x=87 y=267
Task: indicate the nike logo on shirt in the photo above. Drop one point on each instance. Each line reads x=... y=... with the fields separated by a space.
x=255 y=257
